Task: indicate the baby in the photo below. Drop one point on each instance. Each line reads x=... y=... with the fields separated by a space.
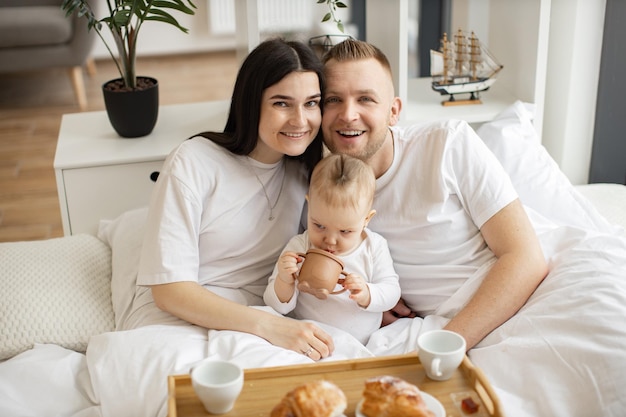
x=339 y=208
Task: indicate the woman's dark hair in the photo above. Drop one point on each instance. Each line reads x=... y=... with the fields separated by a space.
x=265 y=66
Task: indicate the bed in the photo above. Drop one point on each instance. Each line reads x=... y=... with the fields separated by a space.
x=67 y=306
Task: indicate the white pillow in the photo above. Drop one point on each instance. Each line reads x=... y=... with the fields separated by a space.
x=124 y=235
x=133 y=305
x=539 y=181
x=54 y=291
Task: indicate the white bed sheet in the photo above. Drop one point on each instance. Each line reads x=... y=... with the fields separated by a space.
x=563 y=354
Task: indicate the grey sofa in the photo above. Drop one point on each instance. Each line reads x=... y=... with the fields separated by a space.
x=35 y=34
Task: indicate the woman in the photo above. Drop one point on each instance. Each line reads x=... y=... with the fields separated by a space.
x=226 y=203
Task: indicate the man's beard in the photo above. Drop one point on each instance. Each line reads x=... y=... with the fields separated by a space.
x=367 y=153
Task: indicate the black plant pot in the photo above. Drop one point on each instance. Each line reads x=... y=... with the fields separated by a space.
x=132 y=113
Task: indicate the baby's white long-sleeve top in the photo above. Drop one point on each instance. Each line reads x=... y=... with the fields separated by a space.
x=372 y=261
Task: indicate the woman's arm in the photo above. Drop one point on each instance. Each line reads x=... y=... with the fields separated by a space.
x=195 y=304
x=520 y=268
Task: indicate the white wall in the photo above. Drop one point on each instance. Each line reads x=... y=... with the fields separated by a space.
x=158 y=38
x=576 y=30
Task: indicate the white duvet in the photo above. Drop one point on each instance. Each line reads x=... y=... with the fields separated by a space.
x=562 y=354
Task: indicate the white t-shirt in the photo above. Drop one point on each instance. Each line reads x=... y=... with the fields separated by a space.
x=372 y=261
x=208 y=220
x=442 y=186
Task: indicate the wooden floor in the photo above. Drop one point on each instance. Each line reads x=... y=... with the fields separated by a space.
x=31 y=106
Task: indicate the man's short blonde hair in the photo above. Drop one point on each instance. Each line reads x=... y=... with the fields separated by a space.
x=353 y=50
x=343 y=181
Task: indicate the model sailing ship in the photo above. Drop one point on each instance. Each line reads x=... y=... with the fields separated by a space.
x=462 y=66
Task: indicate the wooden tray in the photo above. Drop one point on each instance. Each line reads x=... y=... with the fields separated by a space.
x=264 y=387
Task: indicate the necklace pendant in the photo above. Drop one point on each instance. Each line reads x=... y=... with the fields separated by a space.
x=267 y=197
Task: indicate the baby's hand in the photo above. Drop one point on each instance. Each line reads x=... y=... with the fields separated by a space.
x=359 y=290
x=287 y=266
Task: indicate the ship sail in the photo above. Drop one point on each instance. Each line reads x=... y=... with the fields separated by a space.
x=436 y=63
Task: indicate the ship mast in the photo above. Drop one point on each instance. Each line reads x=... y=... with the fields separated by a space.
x=461 y=52
x=445 y=50
x=475 y=56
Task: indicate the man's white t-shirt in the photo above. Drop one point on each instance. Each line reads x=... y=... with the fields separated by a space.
x=208 y=220
x=442 y=186
x=372 y=261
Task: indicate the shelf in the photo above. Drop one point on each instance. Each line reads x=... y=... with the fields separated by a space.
x=424 y=104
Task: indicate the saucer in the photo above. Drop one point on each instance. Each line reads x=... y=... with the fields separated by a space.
x=432 y=404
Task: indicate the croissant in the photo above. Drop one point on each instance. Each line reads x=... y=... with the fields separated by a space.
x=388 y=396
x=315 y=399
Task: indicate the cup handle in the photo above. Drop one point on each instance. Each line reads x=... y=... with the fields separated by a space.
x=340 y=281
x=435 y=367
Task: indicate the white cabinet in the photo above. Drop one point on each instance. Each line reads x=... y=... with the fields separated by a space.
x=103 y=192
x=100 y=175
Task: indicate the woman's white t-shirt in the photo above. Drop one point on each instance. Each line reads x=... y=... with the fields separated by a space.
x=209 y=221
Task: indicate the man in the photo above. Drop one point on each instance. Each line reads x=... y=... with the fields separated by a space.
x=459 y=236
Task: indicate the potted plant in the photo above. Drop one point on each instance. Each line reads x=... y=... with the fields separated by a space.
x=132 y=101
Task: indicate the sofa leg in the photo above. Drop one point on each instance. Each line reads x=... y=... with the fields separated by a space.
x=90 y=64
x=76 y=74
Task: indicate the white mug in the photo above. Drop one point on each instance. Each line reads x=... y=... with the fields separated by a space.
x=441 y=352
x=217 y=384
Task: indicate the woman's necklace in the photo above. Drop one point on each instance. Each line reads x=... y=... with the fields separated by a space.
x=270 y=206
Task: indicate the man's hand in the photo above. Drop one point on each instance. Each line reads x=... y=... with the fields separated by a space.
x=398 y=312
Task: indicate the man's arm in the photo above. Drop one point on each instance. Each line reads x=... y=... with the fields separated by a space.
x=520 y=268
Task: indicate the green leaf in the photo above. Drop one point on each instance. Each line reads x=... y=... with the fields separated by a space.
x=341 y=5
x=121 y=18
x=173 y=4
x=326 y=17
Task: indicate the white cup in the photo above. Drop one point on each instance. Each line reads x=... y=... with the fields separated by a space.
x=217 y=384
x=441 y=352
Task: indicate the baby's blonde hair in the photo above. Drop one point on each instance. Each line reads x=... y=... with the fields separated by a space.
x=343 y=181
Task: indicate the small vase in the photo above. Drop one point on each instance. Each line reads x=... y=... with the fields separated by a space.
x=132 y=113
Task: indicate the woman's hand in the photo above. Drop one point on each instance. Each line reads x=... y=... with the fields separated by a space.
x=359 y=290
x=195 y=304
x=302 y=337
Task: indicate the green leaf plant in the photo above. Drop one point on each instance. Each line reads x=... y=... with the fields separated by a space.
x=333 y=5
x=125 y=18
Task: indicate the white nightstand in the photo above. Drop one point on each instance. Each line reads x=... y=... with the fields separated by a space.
x=100 y=175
